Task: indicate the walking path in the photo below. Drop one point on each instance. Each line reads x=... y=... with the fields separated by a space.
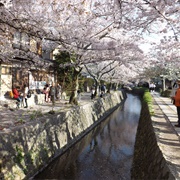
x=10 y=118
x=168 y=109
x=167 y=135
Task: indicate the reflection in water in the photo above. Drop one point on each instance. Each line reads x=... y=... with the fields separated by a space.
x=105 y=153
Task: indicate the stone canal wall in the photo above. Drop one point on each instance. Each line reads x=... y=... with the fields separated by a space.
x=30 y=147
x=149 y=161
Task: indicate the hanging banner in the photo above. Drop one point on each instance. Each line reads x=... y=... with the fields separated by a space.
x=35 y=84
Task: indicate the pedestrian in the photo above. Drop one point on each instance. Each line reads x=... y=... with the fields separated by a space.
x=52 y=93
x=151 y=87
x=16 y=95
x=25 y=92
x=173 y=91
x=46 y=92
x=93 y=92
x=176 y=99
x=103 y=90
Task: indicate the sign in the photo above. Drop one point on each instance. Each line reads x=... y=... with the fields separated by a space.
x=34 y=84
x=37 y=84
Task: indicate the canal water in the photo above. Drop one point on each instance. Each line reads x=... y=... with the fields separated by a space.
x=104 y=153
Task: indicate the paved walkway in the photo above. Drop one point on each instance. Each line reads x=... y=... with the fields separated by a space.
x=168 y=109
x=167 y=135
x=10 y=118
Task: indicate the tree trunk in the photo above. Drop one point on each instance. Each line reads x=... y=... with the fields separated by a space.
x=109 y=87
x=73 y=97
x=96 y=86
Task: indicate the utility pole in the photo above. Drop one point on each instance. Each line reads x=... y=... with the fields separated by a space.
x=163 y=82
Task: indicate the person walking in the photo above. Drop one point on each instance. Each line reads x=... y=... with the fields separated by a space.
x=173 y=91
x=176 y=99
x=52 y=93
x=151 y=87
x=103 y=90
x=93 y=92
x=46 y=92
x=25 y=92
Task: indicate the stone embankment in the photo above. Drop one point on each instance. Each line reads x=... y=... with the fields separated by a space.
x=30 y=147
x=155 y=149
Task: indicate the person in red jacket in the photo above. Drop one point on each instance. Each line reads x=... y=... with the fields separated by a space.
x=17 y=96
x=177 y=102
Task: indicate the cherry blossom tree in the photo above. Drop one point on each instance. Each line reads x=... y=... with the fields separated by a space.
x=90 y=30
x=97 y=70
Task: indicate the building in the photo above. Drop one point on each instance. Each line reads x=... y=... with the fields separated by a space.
x=30 y=65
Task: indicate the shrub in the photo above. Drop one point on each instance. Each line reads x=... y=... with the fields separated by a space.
x=148 y=99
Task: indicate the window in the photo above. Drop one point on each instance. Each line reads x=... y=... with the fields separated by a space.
x=21 y=41
x=17 y=40
x=5 y=70
x=33 y=46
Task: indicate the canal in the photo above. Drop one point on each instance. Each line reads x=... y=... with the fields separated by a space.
x=104 y=153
